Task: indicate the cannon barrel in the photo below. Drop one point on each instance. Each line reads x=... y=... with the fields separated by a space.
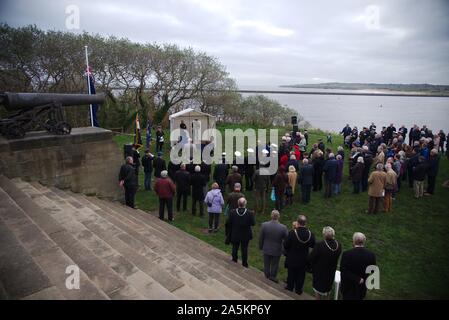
x=16 y=101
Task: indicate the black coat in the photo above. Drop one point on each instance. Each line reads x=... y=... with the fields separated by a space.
x=128 y=175
x=357 y=172
x=353 y=268
x=297 y=251
x=238 y=225
x=432 y=167
x=172 y=169
x=221 y=173
x=206 y=170
x=182 y=180
x=248 y=168
x=324 y=262
x=159 y=166
x=147 y=163
x=367 y=161
x=419 y=172
x=306 y=175
x=198 y=182
x=330 y=170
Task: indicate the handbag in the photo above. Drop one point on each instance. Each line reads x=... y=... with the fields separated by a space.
x=273 y=194
x=209 y=204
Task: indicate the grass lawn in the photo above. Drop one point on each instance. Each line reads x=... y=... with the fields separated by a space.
x=410 y=242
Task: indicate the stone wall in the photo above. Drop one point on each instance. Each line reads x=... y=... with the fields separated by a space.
x=86 y=161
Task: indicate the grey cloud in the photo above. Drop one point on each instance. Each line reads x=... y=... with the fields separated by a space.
x=275 y=42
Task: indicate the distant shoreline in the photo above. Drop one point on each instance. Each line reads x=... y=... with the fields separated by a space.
x=416 y=89
x=343 y=93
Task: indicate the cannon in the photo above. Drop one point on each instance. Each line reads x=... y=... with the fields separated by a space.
x=40 y=111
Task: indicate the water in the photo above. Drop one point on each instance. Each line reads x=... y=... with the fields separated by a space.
x=332 y=112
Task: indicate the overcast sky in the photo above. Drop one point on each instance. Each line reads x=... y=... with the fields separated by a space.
x=274 y=42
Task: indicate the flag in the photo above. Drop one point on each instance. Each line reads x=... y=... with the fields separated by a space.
x=90 y=80
x=137 y=136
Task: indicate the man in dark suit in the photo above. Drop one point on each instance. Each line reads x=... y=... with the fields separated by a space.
x=353 y=268
x=182 y=180
x=221 y=173
x=261 y=189
x=249 y=169
x=158 y=165
x=297 y=246
x=330 y=173
x=272 y=235
x=238 y=230
x=198 y=182
x=172 y=169
x=128 y=180
x=306 y=180
x=147 y=164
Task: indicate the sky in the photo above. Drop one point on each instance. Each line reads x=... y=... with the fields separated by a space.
x=271 y=43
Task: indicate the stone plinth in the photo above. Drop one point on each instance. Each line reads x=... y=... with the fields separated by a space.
x=86 y=161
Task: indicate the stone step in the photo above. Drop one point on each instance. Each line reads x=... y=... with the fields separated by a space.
x=183 y=288
x=202 y=291
x=165 y=256
x=44 y=253
x=140 y=285
x=126 y=253
x=173 y=251
x=211 y=252
x=20 y=276
x=213 y=269
x=100 y=274
x=269 y=293
x=207 y=287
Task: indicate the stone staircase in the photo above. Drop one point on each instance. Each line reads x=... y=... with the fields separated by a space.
x=121 y=253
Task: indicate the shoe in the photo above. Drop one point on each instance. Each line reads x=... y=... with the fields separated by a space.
x=215 y=230
x=210 y=230
x=245 y=265
x=274 y=280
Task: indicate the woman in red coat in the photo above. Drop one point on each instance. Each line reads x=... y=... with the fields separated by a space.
x=297 y=153
x=284 y=159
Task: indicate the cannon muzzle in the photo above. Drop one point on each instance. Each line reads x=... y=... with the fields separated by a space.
x=17 y=101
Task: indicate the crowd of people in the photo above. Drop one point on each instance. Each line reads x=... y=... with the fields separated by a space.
x=380 y=163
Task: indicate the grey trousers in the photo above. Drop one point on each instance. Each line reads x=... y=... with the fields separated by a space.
x=271 y=266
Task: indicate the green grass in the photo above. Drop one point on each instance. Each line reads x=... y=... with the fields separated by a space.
x=410 y=242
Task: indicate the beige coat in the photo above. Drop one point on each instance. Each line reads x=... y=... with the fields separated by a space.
x=391 y=180
x=376 y=182
x=380 y=158
x=292 y=180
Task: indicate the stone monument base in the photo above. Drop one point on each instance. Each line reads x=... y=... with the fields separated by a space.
x=86 y=161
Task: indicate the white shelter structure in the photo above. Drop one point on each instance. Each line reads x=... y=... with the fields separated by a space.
x=196 y=122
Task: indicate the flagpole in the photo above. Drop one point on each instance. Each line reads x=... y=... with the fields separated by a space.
x=88 y=85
